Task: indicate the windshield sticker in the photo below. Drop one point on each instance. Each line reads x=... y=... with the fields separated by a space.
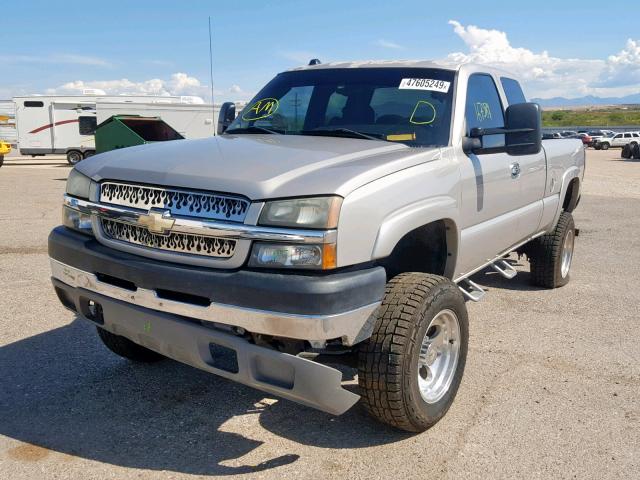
x=483 y=111
x=401 y=137
x=424 y=84
x=424 y=113
x=263 y=108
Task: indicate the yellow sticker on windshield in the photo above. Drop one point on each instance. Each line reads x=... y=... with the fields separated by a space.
x=401 y=137
x=424 y=113
x=263 y=108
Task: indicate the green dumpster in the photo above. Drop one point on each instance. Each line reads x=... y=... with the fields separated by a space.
x=121 y=131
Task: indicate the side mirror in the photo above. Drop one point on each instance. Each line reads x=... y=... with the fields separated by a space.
x=523 y=134
x=522 y=131
x=226 y=116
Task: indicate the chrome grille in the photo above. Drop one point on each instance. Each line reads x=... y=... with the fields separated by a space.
x=179 y=202
x=174 y=242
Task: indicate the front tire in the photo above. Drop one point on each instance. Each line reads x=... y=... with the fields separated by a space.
x=126 y=348
x=551 y=255
x=410 y=369
x=604 y=146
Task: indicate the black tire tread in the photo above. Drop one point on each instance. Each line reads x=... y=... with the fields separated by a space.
x=126 y=348
x=381 y=358
x=545 y=253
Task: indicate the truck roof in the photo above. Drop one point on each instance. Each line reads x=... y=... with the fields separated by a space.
x=454 y=66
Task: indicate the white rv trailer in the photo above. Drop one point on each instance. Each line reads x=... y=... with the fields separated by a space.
x=66 y=124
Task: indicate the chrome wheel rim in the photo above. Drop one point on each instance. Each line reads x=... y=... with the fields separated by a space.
x=567 y=254
x=438 y=358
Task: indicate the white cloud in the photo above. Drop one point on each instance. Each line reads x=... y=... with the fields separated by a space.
x=542 y=74
x=179 y=84
x=623 y=69
x=387 y=44
x=64 y=58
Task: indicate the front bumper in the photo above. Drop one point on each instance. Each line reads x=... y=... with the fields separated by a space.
x=306 y=307
x=288 y=376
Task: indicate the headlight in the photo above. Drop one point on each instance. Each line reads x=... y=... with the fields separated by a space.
x=269 y=255
x=76 y=220
x=315 y=212
x=78 y=185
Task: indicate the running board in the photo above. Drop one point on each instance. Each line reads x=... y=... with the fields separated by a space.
x=504 y=268
x=473 y=291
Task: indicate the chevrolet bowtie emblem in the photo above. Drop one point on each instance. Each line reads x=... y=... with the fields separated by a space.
x=157 y=221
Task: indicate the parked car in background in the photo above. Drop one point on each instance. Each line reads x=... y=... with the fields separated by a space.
x=551 y=136
x=5 y=149
x=586 y=139
x=618 y=140
x=569 y=134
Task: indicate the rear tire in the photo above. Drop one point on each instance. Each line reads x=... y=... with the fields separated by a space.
x=551 y=255
x=126 y=348
x=410 y=369
x=74 y=157
x=88 y=153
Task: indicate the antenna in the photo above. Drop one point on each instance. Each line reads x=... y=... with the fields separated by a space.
x=213 y=105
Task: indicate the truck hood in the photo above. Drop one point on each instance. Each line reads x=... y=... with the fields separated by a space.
x=258 y=166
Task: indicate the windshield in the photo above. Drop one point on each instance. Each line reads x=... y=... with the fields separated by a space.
x=408 y=105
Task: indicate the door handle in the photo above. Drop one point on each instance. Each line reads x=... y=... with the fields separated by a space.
x=515 y=170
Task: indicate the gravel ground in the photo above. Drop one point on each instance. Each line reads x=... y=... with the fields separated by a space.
x=551 y=388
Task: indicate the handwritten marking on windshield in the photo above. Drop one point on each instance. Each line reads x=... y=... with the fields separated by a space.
x=263 y=108
x=424 y=113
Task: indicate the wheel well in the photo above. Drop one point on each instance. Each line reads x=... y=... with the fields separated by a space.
x=427 y=249
x=572 y=196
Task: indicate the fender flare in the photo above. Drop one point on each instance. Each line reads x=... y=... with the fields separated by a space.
x=406 y=219
x=571 y=174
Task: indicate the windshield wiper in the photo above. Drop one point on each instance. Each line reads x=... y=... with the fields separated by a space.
x=255 y=129
x=342 y=132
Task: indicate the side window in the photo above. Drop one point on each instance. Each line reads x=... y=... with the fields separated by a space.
x=33 y=104
x=627 y=135
x=87 y=125
x=618 y=136
x=484 y=109
x=512 y=90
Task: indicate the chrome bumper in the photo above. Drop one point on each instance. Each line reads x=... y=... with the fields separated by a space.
x=352 y=326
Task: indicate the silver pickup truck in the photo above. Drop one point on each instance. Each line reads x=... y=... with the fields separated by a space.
x=339 y=216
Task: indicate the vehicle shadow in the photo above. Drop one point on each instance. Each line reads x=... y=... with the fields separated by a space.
x=64 y=391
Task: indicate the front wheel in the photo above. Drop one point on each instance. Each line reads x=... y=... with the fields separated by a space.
x=410 y=369
x=604 y=146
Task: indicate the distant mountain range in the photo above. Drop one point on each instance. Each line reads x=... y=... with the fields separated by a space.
x=588 y=100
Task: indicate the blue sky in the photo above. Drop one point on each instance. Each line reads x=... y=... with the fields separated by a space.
x=571 y=49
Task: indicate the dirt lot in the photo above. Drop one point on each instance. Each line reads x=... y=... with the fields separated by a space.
x=551 y=390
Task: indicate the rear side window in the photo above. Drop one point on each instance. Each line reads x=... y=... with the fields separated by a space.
x=512 y=90
x=33 y=104
x=484 y=109
x=87 y=125
x=627 y=135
